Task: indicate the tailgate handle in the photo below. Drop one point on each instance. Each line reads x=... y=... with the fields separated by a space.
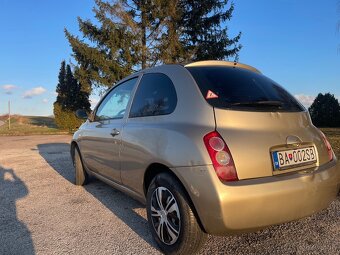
x=293 y=140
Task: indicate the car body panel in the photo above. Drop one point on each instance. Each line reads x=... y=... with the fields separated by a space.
x=261 y=197
x=251 y=136
x=100 y=150
x=158 y=139
x=250 y=205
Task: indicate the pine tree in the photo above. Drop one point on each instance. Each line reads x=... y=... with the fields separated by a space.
x=142 y=33
x=70 y=98
x=205 y=33
x=124 y=42
x=77 y=98
x=325 y=111
x=62 y=87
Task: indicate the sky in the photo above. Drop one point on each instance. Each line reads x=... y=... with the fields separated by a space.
x=295 y=43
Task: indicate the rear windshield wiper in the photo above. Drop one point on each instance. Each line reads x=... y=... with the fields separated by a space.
x=260 y=103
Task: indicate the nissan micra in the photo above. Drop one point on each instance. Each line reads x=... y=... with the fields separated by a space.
x=212 y=147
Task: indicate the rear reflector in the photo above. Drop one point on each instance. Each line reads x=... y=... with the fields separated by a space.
x=220 y=156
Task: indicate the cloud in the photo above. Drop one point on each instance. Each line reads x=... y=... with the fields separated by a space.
x=45 y=100
x=306 y=100
x=9 y=88
x=34 y=92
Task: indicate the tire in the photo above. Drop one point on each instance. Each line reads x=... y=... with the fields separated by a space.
x=172 y=221
x=81 y=177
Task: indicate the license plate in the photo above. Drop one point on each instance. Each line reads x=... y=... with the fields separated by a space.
x=293 y=158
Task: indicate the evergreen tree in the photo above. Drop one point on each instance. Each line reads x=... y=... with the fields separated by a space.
x=62 y=87
x=325 y=111
x=142 y=33
x=205 y=33
x=124 y=41
x=70 y=98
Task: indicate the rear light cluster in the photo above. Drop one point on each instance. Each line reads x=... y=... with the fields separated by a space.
x=328 y=146
x=220 y=156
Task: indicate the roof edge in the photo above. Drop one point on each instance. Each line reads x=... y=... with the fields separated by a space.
x=222 y=63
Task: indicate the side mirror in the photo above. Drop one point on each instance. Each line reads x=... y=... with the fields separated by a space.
x=81 y=114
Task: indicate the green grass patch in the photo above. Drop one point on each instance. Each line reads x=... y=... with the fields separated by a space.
x=29 y=125
x=333 y=135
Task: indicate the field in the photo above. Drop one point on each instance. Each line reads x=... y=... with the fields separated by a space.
x=333 y=135
x=29 y=125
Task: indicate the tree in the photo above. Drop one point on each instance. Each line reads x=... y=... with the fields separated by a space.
x=76 y=97
x=123 y=42
x=135 y=34
x=204 y=30
x=325 y=111
x=70 y=98
x=62 y=87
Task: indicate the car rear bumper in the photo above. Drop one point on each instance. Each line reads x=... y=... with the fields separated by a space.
x=249 y=205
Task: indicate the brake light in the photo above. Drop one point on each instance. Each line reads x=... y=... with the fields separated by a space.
x=328 y=146
x=220 y=156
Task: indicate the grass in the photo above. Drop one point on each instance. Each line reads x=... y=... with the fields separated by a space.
x=333 y=135
x=29 y=125
x=36 y=125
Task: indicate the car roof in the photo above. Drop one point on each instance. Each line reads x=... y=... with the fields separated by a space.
x=193 y=64
x=222 y=63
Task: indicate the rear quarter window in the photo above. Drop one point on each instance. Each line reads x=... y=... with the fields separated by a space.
x=242 y=89
x=155 y=95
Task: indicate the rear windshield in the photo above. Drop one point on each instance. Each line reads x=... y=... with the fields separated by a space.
x=241 y=89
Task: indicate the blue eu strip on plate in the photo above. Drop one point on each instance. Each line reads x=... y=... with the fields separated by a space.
x=276 y=160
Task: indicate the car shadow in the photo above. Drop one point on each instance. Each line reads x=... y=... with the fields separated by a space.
x=15 y=238
x=57 y=155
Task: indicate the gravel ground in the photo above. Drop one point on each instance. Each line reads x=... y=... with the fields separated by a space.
x=42 y=212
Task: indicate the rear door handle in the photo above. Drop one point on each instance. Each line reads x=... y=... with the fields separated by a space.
x=115 y=132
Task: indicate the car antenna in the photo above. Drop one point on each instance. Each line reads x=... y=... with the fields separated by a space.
x=235 y=61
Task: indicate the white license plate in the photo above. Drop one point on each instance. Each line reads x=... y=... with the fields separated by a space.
x=295 y=157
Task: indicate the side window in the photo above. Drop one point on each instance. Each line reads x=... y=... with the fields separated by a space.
x=156 y=95
x=115 y=103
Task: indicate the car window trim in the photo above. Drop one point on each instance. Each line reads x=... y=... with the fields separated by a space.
x=136 y=88
x=137 y=77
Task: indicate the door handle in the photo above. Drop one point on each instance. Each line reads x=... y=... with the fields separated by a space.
x=115 y=132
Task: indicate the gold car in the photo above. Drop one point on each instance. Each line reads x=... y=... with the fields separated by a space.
x=212 y=147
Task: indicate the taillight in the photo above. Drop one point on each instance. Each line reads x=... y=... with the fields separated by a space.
x=328 y=146
x=220 y=156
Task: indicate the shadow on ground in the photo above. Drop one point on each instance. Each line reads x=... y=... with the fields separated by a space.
x=15 y=238
x=57 y=155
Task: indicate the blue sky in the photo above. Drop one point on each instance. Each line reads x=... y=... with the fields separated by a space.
x=293 y=42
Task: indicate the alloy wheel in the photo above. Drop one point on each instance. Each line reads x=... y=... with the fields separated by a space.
x=165 y=215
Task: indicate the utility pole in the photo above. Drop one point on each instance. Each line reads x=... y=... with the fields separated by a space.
x=9 y=114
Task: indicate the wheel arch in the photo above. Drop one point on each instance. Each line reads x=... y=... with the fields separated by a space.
x=74 y=145
x=157 y=168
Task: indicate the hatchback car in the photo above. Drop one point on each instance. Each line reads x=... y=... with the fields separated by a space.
x=212 y=147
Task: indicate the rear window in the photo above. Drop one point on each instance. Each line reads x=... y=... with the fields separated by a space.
x=242 y=89
x=156 y=95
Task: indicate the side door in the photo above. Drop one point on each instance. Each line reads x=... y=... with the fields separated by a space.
x=145 y=137
x=101 y=139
